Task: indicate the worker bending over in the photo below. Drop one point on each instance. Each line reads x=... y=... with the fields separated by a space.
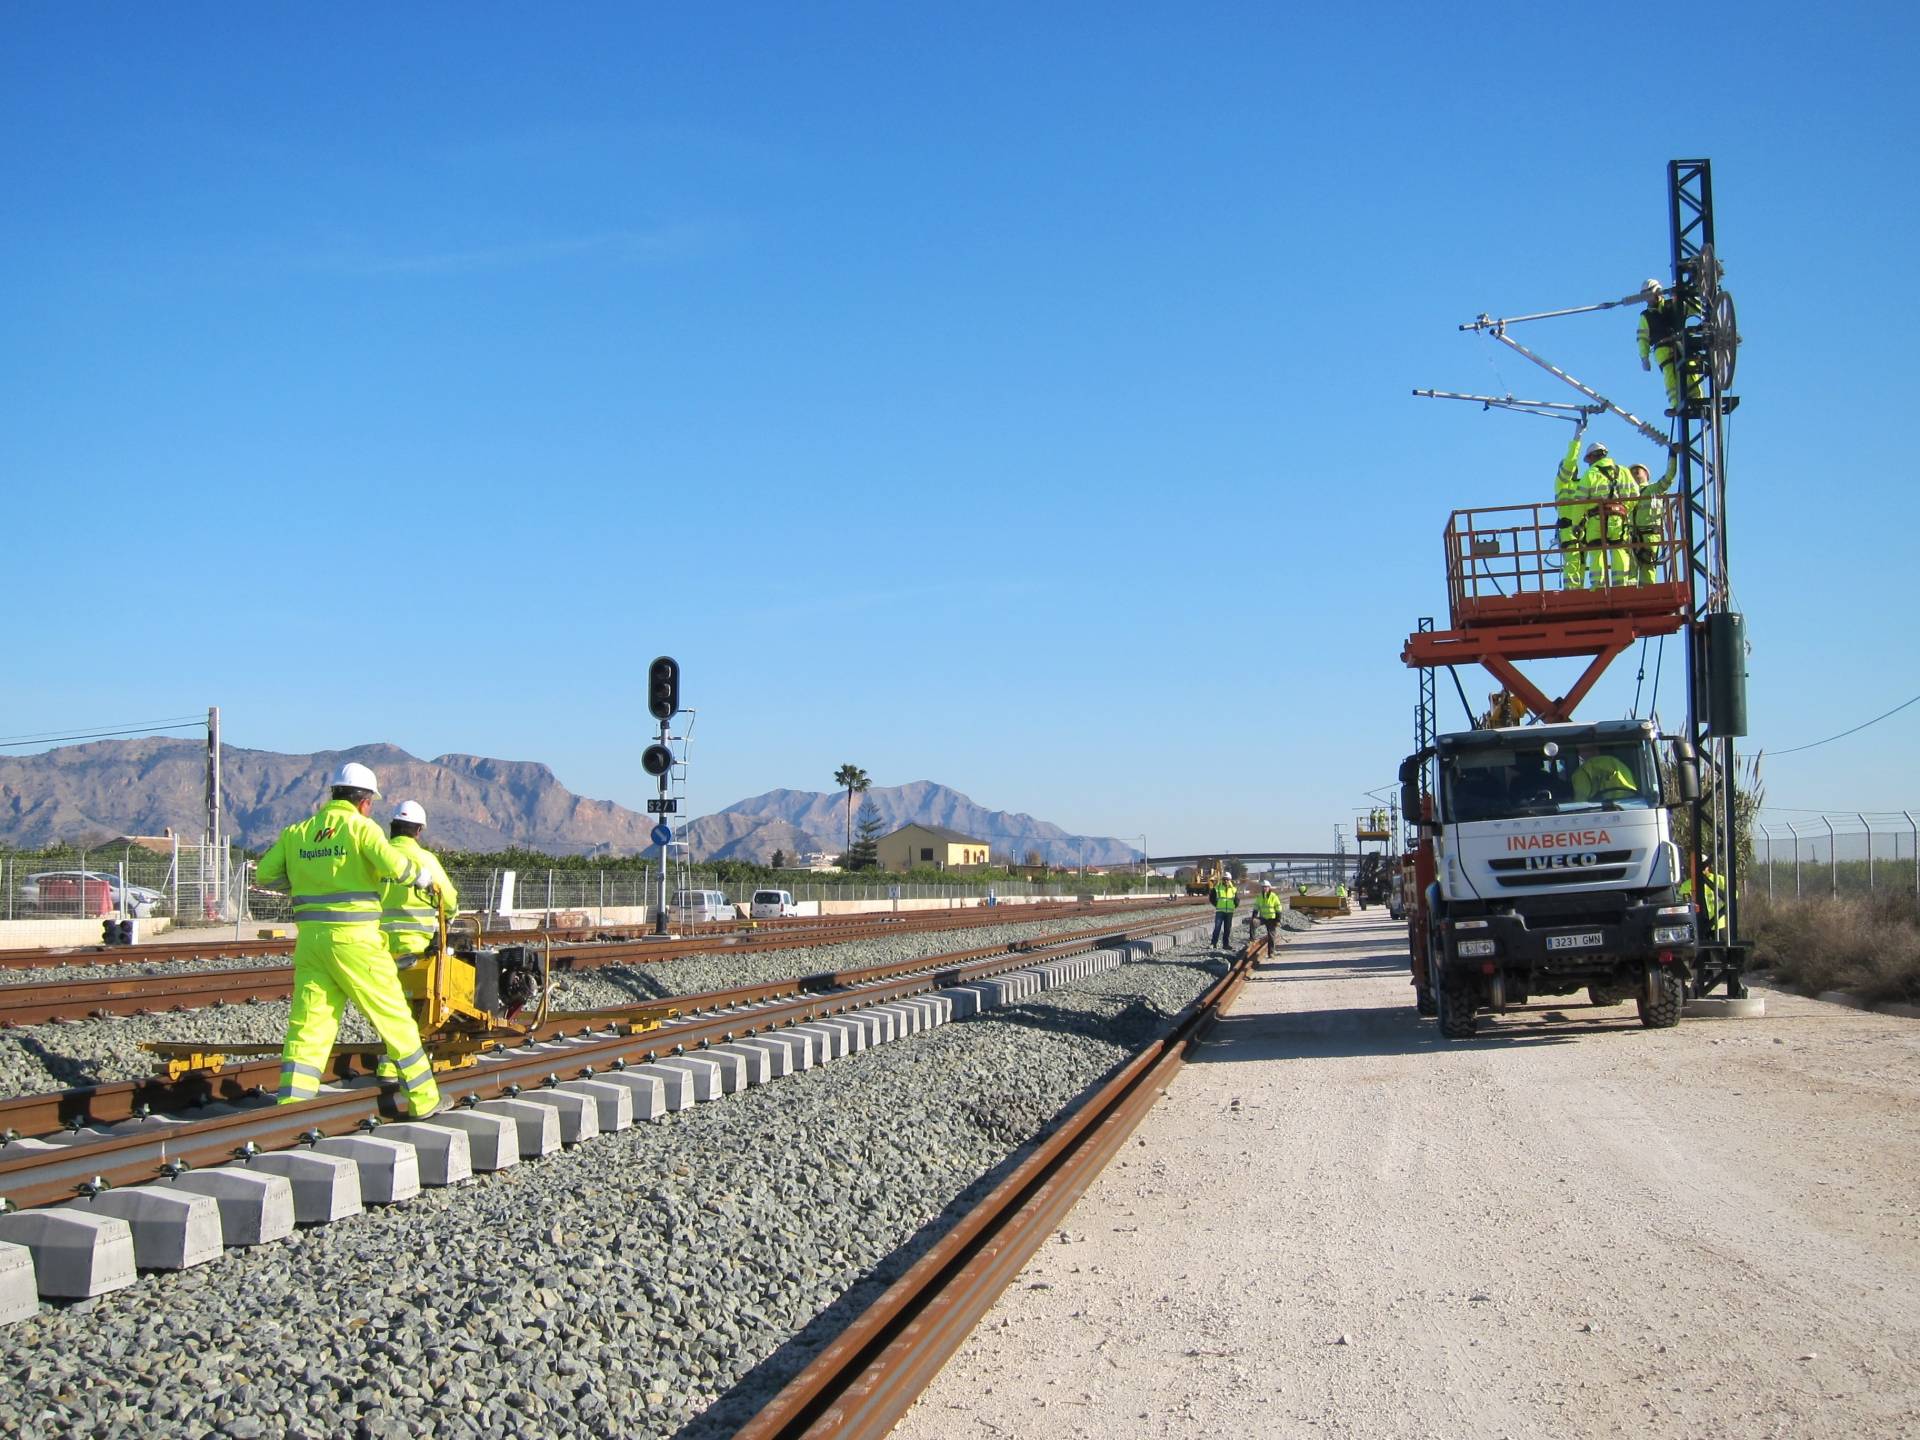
x=334 y=865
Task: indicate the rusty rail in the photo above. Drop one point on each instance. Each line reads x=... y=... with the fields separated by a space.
x=867 y=1378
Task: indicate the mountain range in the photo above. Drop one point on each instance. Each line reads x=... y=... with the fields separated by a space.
x=91 y=793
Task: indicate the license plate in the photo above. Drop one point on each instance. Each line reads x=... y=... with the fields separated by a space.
x=1586 y=940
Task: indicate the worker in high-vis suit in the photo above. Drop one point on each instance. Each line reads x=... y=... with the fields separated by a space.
x=1266 y=909
x=1604 y=777
x=1610 y=491
x=334 y=865
x=410 y=914
x=1570 y=522
x=1660 y=326
x=1226 y=900
x=1648 y=521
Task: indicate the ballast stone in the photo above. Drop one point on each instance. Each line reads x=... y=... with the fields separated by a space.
x=255 y=1207
x=325 y=1187
x=172 y=1229
x=76 y=1254
x=389 y=1169
x=19 y=1296
x=440 y=1152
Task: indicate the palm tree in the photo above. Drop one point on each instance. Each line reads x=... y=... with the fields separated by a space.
x=855 y=780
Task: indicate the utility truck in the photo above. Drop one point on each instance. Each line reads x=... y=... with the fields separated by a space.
x=1546 y=865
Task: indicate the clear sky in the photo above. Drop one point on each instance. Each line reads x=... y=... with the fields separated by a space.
x=1006 y=395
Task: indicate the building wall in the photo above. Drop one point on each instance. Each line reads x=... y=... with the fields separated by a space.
x=911 y=845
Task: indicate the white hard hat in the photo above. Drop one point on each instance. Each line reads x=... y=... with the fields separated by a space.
x=1596 y=449
x=1652 y=287
x=357 y=776
x=411 y=811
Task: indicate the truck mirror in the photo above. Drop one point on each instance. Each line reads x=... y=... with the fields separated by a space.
x=1686 y=770
x=1409 y=800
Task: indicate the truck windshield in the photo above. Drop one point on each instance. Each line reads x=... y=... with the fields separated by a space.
x=1502 y=783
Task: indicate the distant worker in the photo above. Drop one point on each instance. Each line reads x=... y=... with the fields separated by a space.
x=410 y=914
x=1226 y=900
x=1648 y=521
x=1266 y=909
x=1660 y=326
x=1300 y=886
x=334 y=865
x=1603 y=777
x=1610 y=492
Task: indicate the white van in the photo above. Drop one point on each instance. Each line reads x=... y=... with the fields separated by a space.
x=773 y=905
x=700 y=907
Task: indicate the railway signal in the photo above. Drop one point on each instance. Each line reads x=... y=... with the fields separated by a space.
x=663 y=687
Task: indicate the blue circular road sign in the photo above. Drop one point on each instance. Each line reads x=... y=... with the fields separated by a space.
x=662 y=833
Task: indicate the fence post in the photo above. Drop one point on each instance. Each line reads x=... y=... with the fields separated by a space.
x=1833 y=862
x=1869 y=829
x=1767 y=835
x=1916 y=852
x=1793 y=828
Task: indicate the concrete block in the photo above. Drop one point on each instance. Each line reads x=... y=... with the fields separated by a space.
x=441 y=1153
x=538 y=1125
x=19 y=1296
x=779 y=1057
x=255 y=1207
x=966 y=1001
x=172 y=1229
x=579 y=1114
x=851 y=1031
x=878 y=1028
x=389 y=1169
x=704 y=1073
x=754 y=1063
x=647 y=1093
x=325 y=1187
x=676 y=1086
x=804 y=1046
x=76 y=1253
x=493 y=1141
x=937 y=1006
x=613 y=1103
x=828 y=1043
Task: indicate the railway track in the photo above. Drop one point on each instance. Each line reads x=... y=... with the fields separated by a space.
x=61 y=1143
x=43 y=1002
x=864 y=1380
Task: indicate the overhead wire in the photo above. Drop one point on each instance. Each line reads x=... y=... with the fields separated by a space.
x=1816 y=744
x=25 y=742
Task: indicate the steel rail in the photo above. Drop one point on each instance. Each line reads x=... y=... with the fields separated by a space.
x=40 y=1002
x=868 y=1377
x=230 y=948
x=161 y=1141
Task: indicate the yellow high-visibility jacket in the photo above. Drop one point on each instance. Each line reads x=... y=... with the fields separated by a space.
x=1268 y=906
x=333 y=865
x=409 y=916
x=1225 y=897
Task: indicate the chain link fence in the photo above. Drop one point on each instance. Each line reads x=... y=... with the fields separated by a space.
x=1800 y=855
x=186 y=883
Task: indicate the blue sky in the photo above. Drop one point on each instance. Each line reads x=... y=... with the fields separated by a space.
x=1010 y=396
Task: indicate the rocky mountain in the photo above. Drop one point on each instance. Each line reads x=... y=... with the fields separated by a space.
x=735 y=832
x=145 y=787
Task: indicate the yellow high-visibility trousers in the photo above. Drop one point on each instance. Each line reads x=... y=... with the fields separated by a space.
x=333 y=964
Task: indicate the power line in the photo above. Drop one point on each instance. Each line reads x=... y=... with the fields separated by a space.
x=112 y=726
x=1776 y=754
x=99 y=734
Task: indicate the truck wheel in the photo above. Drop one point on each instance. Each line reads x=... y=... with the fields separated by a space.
x=1455 y=1010
x=1423 y=1001
x=1603 y=996
x=1665 y=1013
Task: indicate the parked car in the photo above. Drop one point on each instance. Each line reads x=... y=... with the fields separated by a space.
x=87 y=892
x=700 y=907
x=773 y=905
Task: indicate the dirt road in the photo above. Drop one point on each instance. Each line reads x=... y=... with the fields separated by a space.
x=1336 y=1224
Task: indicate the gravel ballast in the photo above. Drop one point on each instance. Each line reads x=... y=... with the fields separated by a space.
x=38 y=1058
x=638 y=1285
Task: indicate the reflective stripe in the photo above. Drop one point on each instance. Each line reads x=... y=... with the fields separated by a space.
x=407 y=927
x=337 y=897
x=294 y=1067
x=425 y=912
x=339 y=917
x=419 y=1082
x=418 y=1057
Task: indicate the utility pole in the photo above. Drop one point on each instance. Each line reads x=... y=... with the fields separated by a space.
x=214 y=868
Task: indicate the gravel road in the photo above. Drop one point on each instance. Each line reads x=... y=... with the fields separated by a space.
x=1339 y=1225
